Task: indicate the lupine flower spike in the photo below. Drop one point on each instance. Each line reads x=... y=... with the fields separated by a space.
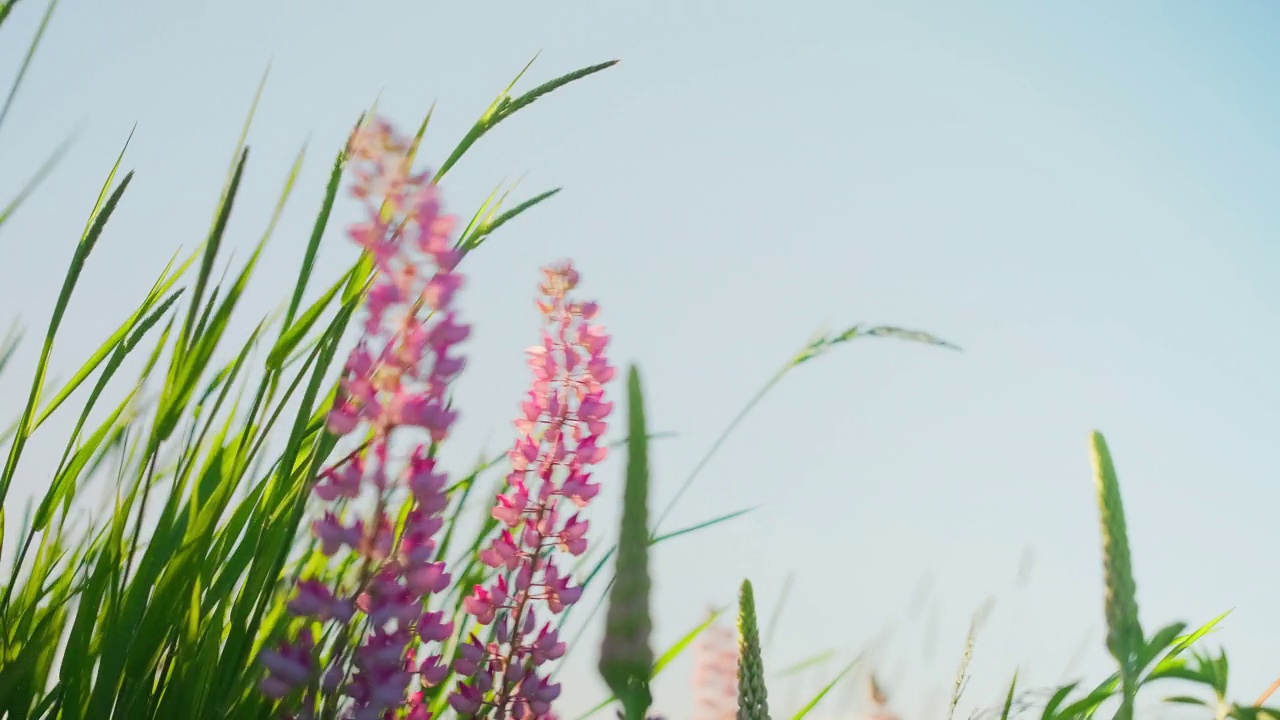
x=715 y=674
x=558 y=439
x=626 y=659
x=395 y=379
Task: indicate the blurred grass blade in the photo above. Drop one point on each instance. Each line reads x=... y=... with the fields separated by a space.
x=962 y=674
x=26 y=61
x=5 y=7
x=807 y=663
x=775 y=618
x=825 y=690
x=625 y=654
x=35 y=180
x=1008 y=698
x=683 y=643
x=703 y=525
x=236 y=156
x=9 y=346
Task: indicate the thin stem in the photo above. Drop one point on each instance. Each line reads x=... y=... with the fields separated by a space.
x=1269 y=692
x=715 y=446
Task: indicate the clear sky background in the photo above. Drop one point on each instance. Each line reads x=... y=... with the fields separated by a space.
x=1083 y=196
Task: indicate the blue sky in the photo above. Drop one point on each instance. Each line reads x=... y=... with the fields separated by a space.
x=1080 y=195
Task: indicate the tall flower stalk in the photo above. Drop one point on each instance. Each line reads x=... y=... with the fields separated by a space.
x=559 y=431
x=626 y=656
x=395 y=380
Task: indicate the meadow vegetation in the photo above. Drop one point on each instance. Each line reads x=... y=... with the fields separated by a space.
x=281 y=540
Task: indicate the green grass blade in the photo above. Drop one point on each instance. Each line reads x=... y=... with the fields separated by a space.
x=106 y=186
x=64 y=483
x=292 y=335
x=313 y=244
x=474 y=237
x=1181 y=644
x=505 y=106
x=211 y=245
x=108 y=348
x=821 y=345
x=702 y=525
x=83 y=249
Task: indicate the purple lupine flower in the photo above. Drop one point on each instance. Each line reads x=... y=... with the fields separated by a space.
x=397 y=377
x=559 y=428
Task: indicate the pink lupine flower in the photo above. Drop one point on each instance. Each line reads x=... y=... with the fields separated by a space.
x=395 y=379
x=715 y=674
x=558 y=430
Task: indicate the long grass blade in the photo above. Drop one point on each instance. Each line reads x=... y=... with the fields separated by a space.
x=83 y=249
x=505 y=106
x=815 y=348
